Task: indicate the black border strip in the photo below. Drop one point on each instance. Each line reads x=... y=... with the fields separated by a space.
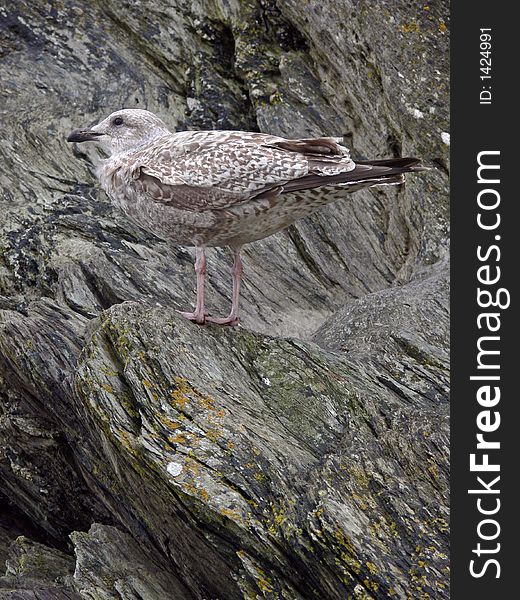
x=479 y=128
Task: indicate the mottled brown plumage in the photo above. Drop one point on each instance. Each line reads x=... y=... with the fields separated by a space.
x=224 y=188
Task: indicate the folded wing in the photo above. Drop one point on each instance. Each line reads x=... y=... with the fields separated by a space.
x=216 y=169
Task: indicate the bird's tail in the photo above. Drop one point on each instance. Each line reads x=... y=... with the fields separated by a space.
x=390 y=171
x=397 y=165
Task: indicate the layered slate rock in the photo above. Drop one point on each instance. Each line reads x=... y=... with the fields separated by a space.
x=253 y=463
x=304 y=455
x=35 y=571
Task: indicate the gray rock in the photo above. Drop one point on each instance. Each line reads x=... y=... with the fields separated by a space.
x=110 y=564
x=37 y=571
x=236 y=455
x=402 y=332
x=304 y=455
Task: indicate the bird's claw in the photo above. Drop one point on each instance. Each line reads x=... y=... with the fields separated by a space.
x=198 y=318
x=201 y=319
x=231 y=321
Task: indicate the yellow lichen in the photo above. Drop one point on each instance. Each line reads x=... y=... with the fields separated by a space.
x=167 y=422
x=410 y=27
x=371 y=585
x=263 y=582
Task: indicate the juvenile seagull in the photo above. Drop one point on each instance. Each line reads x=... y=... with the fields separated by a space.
x=223 y=188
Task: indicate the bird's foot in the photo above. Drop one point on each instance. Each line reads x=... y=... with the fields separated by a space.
x=231 y=320
x=196 y=317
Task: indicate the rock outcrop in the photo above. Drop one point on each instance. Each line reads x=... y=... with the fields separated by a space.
x=303 y=455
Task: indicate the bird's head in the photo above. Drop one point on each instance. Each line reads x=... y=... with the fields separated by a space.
x=123 y=130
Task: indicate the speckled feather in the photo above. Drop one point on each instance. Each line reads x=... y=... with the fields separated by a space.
x=215 y=188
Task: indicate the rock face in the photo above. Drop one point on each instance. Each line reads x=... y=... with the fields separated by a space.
x=301 y=456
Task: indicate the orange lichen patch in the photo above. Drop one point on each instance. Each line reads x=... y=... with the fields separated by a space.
x=178 y=439
x=182 y=383
x=168 y=423
x=199 y=407
x=442 y=27
x=204 y=495
x=184 y=393
x=179 y=399
x=195 y=491
x=206 y=401
x=233 y=515
x=192 y=466
x=213 y=434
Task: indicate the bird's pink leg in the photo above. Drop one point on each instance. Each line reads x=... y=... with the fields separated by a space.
x=232 y=318
x=199 y=314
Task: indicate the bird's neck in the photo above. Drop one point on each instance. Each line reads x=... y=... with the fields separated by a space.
x=149 y=140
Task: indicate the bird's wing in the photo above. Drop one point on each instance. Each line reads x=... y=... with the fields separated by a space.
x=218 y=169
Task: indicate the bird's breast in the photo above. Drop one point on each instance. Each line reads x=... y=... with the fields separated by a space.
x=114 y=181
x=183 y=227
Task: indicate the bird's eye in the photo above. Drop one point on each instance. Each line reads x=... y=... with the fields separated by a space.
x=118 y=121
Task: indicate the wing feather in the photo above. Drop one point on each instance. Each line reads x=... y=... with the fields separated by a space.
x=214 y=170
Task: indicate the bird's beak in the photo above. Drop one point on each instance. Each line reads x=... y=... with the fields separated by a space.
x=83 y=135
